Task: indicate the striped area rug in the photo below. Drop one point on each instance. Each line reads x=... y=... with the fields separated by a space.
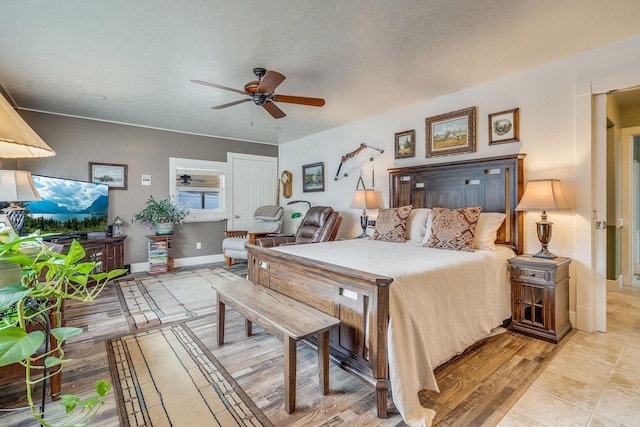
x=151 y=300
x=165 y=376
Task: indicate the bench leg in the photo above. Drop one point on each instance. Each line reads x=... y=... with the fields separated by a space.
x=289 y=374
x=323 y=362
x=248 y=327
x=220 y=315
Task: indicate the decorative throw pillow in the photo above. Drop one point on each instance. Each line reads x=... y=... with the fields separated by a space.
x=417 y=224
x=487 y=230
x=453 y=228
x=391 y=224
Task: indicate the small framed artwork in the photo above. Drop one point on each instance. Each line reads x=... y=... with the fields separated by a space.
x=313 y=177
x=451 y=133
x=503 y=126
x=5 y=223
x=109 y=173
x=405 y=144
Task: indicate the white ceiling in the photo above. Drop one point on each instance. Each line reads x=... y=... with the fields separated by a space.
x=365 y=57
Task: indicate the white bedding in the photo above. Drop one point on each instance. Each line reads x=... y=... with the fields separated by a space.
x=441 y=302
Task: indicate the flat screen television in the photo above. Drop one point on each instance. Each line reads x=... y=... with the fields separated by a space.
x=68 y=207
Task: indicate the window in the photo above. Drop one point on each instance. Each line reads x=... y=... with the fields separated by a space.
x=200 y=185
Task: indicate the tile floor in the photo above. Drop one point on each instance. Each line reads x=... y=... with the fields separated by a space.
x=594 y=380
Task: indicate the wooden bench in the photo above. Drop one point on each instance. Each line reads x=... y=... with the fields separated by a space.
x=283 y=317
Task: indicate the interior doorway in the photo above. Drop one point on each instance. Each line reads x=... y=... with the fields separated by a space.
x=623 y=199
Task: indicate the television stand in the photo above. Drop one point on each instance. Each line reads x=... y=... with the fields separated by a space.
x=108 y=252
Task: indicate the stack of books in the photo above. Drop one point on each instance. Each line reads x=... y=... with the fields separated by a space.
x=158 y=257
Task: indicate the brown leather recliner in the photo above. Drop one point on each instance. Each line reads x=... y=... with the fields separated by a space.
x=320 y=224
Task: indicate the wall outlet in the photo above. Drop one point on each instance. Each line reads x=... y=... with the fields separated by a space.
x=198 y=245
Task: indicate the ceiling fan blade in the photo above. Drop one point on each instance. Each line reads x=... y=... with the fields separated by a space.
x=230 y=104
x=200 y=82
x=302 y=100
x=274 y=110
x=270 y=81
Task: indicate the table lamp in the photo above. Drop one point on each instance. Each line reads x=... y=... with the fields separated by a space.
x=118 y=222
x=17 y=186
x=543 y=195
x=364 y=199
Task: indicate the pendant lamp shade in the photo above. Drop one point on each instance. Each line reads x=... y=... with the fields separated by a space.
x=17 y=139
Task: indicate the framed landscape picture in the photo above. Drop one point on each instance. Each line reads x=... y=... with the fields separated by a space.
x=405 y=144
x=109 y=173
x=313 y=177
x=451 y=133
x=504 y=126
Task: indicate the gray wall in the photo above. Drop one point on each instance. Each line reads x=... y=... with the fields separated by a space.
x=145 y=151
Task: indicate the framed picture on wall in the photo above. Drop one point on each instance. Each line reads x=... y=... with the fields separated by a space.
x=109 y=173
x=504 y=126
x=313 y=177
x=451 y=133
x=405 y=144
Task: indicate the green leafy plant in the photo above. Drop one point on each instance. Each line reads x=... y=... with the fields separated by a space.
x=162 y=211
x=47 y=280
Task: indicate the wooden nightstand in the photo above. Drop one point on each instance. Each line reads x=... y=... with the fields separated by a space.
x=540 y=297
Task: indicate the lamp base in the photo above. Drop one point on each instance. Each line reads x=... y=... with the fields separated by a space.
x=544 y=254
x=544 y=236
x=364 y=220
x=16 y=215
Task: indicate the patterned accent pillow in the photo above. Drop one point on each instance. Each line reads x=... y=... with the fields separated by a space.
x=391 y=224
x=453 y=228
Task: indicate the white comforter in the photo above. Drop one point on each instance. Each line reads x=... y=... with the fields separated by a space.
x=441 y=302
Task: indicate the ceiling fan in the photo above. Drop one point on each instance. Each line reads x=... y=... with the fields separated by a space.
x=261 y=93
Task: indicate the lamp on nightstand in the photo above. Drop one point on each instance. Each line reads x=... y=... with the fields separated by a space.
x=543 y=195
x=364 y=199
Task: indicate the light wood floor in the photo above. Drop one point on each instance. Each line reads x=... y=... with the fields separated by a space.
x=476 y=389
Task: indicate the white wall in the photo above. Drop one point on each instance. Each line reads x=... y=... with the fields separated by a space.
x=547 y=98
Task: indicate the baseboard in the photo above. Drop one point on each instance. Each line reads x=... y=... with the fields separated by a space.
x=614 y=285
x=140 y=267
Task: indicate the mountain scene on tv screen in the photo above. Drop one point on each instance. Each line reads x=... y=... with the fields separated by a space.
x=67 y=206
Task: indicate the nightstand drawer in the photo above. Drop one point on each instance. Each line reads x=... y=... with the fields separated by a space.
x=532 y=274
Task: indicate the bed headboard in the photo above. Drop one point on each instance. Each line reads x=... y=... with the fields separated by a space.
x=494 y=183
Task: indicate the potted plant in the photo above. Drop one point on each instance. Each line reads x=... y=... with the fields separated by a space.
x=162 y=214
x=48 y=279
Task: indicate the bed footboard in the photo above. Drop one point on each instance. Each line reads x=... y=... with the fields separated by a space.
x=360 y=300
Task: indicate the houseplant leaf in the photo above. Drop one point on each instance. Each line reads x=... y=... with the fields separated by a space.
x=9 y=295
x=62 y=334
x=17 y=345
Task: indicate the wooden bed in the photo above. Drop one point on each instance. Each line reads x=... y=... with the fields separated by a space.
x=360 y=343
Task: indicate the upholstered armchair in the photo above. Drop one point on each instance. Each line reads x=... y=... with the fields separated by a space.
x=267 y=220
x=320 y=224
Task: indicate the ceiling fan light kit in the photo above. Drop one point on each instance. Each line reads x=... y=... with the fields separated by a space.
x=261 y=92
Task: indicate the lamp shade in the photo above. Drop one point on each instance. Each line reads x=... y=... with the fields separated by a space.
x=17 y=186
x=17 y=139
x=543 y=195
x=365 y=199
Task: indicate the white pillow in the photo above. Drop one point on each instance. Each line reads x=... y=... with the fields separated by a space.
x=487 y=230
x=417 y=224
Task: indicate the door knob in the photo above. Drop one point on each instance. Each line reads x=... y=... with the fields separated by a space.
x=237 y=216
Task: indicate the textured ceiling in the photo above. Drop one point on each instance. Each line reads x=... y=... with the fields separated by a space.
x=364 y=57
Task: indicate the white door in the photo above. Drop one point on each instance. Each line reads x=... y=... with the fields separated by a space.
x=599 y=159
x=253 y=184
